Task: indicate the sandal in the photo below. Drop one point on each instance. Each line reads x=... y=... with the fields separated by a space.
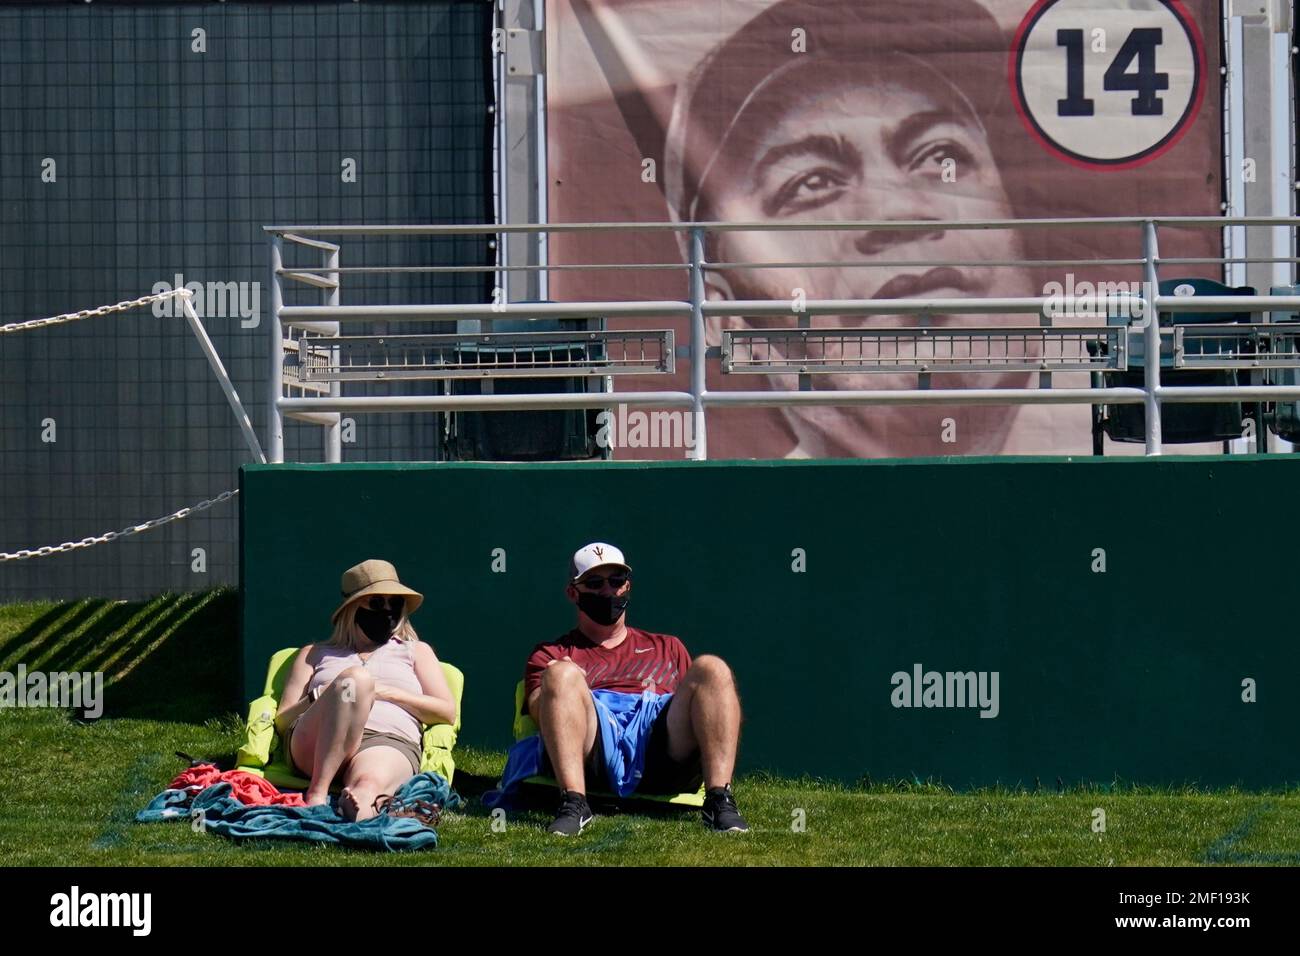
x=426 y=811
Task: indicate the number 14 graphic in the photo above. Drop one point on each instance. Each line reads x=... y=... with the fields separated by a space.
x=1145 y=82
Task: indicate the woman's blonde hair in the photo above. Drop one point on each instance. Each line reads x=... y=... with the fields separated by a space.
x=347 y=632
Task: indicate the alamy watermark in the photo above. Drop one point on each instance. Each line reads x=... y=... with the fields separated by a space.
x=620 y=428
x=1079 y=299
x=82 y=690
x=922 y=688
x=75 y=908
x=225 y=300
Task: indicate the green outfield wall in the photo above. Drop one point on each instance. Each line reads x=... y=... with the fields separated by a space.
x=827 y=584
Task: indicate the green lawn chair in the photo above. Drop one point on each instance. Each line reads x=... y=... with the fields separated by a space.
x=524 y=727
x=263 y=750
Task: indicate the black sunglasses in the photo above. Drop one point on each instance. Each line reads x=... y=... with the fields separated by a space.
x=395 y=602
x=594 y=582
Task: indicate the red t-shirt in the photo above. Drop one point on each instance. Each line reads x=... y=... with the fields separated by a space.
x=642 y=661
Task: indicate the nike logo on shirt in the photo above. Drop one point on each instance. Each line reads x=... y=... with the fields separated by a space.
x=642 y=650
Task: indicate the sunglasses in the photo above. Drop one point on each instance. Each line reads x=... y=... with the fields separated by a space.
x=395 y=603
x=595 y=582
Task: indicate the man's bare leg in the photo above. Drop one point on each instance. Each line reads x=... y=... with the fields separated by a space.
x=566 y=717
x=705 y=715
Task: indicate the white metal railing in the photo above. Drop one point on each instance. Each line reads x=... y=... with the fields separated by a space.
x=920 y=350
x=379 y=358
x=1041 y=347
x=1245 y=346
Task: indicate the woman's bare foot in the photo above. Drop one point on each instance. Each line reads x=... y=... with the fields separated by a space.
x=357 y=804
x=315 y=799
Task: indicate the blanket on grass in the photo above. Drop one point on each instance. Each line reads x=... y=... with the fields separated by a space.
x=216 y=809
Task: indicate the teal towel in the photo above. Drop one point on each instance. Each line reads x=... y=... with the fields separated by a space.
x=223 y=814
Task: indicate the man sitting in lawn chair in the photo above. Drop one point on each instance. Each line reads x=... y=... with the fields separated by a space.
x=620 y=705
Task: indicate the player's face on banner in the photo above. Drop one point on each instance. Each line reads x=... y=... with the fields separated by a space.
x=867 y=147
x=788 y=111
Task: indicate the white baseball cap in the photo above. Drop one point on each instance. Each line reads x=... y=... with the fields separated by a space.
x=595 y=555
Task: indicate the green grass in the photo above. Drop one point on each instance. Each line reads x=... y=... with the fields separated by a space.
x=69 y=790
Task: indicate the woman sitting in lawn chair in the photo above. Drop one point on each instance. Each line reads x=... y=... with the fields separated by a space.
x=353 y=706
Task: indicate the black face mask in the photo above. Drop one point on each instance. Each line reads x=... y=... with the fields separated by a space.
x=604 y=609
x=377 y=625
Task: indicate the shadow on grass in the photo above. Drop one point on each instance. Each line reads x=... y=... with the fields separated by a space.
x=28 y=644
x=185 y=666
x=99 y=633
x=174 y=657
x=544 y=799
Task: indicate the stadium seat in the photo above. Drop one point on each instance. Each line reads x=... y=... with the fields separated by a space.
x=263 y=750
x=524 y=727
x=1180 y=423
x=539 y=435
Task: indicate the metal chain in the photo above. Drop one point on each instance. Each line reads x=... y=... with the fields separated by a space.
x=100 y=539
x=91 y=313
x=26 y=553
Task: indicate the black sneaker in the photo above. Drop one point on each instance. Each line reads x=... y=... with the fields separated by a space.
x=573 y=815
x=720 y=811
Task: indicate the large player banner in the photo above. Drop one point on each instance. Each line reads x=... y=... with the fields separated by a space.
x=749 y=110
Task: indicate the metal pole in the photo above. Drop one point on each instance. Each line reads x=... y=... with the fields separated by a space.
x=223 y=379
x=365 y=404
x=539 y=135
x=275 y=381
x=333 y=433
x=1281 y=104
x=700 y=450
x=315 y=407
x=1236 y=235
x=1151 y=366
x=832 y=398
x=1283 y=187
x=507 y=309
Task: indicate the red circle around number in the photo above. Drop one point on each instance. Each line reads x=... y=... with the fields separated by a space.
x=1166 y=143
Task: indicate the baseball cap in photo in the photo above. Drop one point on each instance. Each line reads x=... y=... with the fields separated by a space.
x=961 y=48
x=595 y=555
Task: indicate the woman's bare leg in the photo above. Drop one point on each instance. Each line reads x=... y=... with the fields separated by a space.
x=374 y=771
x=330 y=732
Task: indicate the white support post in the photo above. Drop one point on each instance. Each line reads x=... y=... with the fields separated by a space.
x=275 y=381
x=333 y=432
x=1235 y=272
x=1151 y=332
x=699 y=345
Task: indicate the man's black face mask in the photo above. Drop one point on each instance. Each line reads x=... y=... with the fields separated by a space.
x=602 y=608
x=379 y=618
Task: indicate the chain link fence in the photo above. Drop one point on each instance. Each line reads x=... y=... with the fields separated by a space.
x=142 y=148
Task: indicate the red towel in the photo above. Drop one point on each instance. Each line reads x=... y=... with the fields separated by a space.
x=244 y=786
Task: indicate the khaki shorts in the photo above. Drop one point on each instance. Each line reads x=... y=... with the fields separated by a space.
x=369 y=738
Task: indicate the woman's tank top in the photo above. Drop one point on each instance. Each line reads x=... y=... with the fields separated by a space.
x=392 y=663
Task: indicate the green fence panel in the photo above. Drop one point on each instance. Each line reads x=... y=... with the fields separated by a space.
x=1125 y=607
